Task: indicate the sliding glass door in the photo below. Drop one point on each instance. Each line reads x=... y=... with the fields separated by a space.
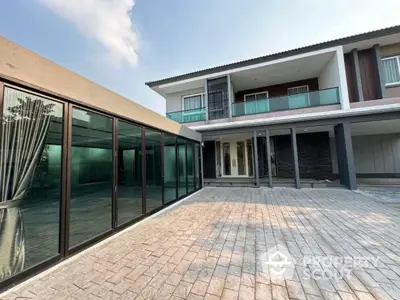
x=153 y=170
x=129 y=160
x=170 y=168
x=91 y=176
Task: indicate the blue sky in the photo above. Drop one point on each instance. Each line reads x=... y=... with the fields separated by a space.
x=121 y=44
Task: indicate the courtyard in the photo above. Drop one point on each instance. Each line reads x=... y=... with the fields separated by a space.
x=216 y=244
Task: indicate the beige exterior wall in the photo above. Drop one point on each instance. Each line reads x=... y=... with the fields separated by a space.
x=393 y=91
x=386 y=51
x=390 y=50
x=28 y=68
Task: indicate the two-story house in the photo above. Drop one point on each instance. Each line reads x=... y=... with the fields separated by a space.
x=321 y=115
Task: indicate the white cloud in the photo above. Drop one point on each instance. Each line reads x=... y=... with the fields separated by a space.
x=107 y=21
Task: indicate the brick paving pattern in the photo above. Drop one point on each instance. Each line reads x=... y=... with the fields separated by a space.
x=213 y=245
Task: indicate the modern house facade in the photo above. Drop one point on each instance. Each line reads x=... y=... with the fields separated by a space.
x=78 y=163
x=321 y=115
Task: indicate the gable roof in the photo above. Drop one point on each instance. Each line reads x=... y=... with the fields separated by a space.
x=278 y=55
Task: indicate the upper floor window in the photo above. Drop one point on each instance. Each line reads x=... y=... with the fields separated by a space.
x=193 y=102
x=298 y=90
x=256 y=96
x=391 y=69
x=298 y=97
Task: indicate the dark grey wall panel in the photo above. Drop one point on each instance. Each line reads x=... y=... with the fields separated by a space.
x=313 y=155
x=209 y=159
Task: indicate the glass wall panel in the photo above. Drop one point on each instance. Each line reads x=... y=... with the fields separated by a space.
x=190 y=167
x=197 y=165
x=170 y=168
x=91 y=176
x=30 y=181
x=249 y=145
x=153 y=170
x=182 y=167
x=129 y=172
x=227 y=158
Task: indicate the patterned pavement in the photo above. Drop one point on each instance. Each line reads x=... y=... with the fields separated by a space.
x=242 y=243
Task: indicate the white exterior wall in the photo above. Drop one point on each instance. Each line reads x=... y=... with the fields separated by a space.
x=334 y=75
x=174 y=100
x=373 y=154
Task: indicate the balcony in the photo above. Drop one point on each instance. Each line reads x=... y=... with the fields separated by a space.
x=288 y=102
x=188 y=116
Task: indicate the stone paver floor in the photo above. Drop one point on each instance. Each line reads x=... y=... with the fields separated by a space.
x=339 y=244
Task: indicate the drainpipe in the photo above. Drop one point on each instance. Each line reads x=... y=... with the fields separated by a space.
x=206 y=99
x=230 y=98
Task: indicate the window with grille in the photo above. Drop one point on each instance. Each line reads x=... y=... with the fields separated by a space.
x=391 y=70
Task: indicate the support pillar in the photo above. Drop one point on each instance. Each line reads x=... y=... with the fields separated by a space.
x=295 y=158
x=201 y=165
x=268 y=143
x=255 y=158
x=345 y=156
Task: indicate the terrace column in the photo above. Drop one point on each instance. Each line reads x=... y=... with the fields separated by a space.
x=357 y=75
x=255 y=158
x=344 y=93
x=345 y=156
x=230 y=96
x=269 y=158
x=295 y=158
x=379 y=71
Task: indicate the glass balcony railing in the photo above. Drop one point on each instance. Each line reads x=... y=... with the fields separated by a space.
x=288 y=102
x=188 y=116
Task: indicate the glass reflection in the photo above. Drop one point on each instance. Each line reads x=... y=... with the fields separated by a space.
x=153 y=170
x=182 y=181
x=169 y=168
x=190 y=166
x=129 y=172
x=30 y=181
x=91 y=176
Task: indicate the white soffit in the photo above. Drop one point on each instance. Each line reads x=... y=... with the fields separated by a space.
x=377 y=127
x=199 y=81
x=292 y=70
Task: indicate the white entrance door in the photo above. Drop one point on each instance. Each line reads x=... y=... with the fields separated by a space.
x=234 y=158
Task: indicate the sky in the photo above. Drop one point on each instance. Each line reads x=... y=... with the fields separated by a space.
x=121 y=44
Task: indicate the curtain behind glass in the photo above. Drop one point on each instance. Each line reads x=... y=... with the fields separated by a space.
x=192 y=102
x=25 y=127
x=391 y=70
